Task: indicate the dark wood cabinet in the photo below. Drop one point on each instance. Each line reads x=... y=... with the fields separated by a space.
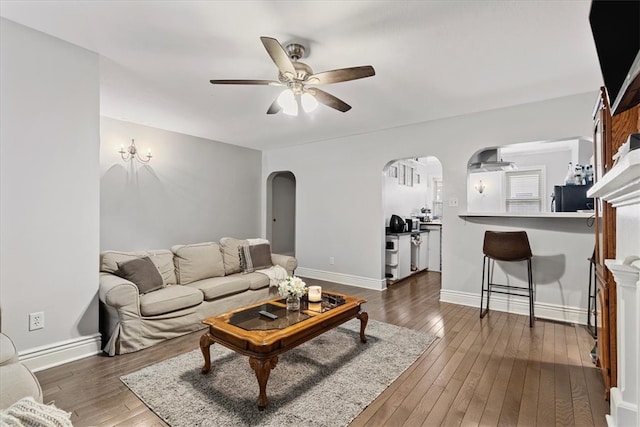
x=609 y=134
x=605 y=247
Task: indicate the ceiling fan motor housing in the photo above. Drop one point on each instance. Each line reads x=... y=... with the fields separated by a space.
x=295 y=51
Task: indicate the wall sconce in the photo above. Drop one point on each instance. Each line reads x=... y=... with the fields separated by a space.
x=480 y=187
x=131 y=152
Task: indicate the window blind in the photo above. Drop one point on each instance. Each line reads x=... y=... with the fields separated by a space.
x=523 y=191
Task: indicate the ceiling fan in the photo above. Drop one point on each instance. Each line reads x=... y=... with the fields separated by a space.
x=300 y=80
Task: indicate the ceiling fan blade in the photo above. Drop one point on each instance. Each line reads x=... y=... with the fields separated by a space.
x=278 y=55
x=342 y=75
x=246 y=82
x=330 y=100
x=274 y=108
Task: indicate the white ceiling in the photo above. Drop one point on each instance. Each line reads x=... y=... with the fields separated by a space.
x=433 y=59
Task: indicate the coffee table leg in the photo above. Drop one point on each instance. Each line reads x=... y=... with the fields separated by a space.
x=205 y=342
x=364 y=318
x=263 y=368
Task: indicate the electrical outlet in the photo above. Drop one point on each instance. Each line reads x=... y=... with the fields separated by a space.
x=453 y=202
x=36 y=321
x=332 y=260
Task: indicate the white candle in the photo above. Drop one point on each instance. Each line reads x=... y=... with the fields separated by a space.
x=315 y=293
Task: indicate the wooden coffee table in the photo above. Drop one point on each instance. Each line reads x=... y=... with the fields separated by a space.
x=263 y=339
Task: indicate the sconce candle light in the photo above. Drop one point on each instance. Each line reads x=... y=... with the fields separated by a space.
x=480 y=187
x=131 y=152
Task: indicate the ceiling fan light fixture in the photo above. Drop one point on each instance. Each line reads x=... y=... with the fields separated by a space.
x=296 y=76
x=287 y=101
x=309 y=102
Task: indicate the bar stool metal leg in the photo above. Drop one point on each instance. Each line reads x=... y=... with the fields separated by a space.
x=486 y=281
x=530 y=278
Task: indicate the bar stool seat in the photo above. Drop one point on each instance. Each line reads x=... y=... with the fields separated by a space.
x=507 y=246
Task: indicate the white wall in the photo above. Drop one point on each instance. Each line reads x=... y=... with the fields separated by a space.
x=434 y=171
x=340 y=207
x=49 y=189
x=492 y=197
x=193 y=189
x=404 y=200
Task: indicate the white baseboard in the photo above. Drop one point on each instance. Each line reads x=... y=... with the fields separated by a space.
x=40 y=358
x=345 y=279
x=518 y=306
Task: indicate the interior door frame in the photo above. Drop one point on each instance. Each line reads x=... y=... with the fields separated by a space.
x=269 y=205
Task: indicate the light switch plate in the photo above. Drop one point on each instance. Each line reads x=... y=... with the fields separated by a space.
x=453 y=202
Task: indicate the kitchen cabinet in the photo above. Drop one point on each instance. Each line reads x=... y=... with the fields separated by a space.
x=434 y=244
x=423 y=253
x=604 y=248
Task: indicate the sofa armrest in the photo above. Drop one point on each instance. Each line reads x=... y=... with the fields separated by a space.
x=289 y=263
x=119 y=293
x=18 y=381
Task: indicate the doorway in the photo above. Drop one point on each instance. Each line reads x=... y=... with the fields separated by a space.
x=412 y=190
x=281 y=212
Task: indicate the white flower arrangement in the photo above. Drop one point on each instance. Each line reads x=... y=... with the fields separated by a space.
x=292 y=286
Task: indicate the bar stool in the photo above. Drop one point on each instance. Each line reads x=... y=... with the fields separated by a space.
x=509 y=246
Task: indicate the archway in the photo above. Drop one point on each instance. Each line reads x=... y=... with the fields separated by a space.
x=281 y=212
x=412 y=189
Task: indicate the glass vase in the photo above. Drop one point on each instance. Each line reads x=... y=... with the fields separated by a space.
x=293 y=303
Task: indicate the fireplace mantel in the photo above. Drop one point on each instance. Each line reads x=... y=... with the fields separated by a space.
x=621 y=185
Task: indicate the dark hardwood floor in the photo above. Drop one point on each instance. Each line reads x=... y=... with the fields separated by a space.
x=494 y=371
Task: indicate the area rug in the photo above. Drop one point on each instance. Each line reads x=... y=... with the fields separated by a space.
x=327 y=381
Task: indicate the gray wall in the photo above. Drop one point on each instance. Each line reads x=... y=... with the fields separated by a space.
x=193 y=190
x=340 y=203
x=49 y=188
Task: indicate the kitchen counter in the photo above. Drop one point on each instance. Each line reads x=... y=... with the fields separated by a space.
x=577 y=215
x=404 y=233
x=431 y=225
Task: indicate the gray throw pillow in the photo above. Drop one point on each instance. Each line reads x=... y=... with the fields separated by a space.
x=255 y=257
x=142 y=272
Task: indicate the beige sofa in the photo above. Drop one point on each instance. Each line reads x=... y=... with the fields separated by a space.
x=198 y=281
x=16 y=380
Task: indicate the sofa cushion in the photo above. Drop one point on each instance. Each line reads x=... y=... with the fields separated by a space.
x=142 y=272
x=198 y=261
x=217 y=287
x=168 y=299
x=256 y=280
x=230 y=255
x=255 y=257
x=162 y=258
